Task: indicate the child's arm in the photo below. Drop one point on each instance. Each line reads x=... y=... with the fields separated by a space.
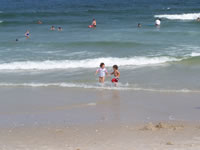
x=107 y=74
x=96 y=71
x=118 y=74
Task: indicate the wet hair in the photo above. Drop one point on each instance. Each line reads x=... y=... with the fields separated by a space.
x=115 y=67
x=94 y=19
x=102 y=64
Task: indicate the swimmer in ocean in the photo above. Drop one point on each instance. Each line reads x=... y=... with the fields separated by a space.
x=198 y=19
x=27 y=34
x=139 y=25
x=60 y=29
x=52 y=28
x=39 y=22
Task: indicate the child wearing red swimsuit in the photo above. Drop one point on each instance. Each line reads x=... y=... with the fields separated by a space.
x=116 y=74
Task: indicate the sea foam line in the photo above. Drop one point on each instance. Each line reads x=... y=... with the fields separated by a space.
x=86 y=63
x=189 y=16
x=98 y=87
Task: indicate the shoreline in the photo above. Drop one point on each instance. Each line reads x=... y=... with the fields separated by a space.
x=46 y=105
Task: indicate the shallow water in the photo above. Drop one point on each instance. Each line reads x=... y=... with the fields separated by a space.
x=149 y=58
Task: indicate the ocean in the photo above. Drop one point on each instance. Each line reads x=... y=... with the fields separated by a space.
x=165 y=59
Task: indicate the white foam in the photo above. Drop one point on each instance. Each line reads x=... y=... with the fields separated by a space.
x=189 y=16
x=195 y=54
x=105 y=87
x=1 y=21
x=86 y=63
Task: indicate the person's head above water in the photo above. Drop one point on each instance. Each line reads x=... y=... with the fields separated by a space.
x=139 y=25
x=115 y=67
x=59 y=28
x=39 y=22
x=102 y=65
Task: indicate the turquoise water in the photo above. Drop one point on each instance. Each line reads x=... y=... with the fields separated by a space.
x=149 y=58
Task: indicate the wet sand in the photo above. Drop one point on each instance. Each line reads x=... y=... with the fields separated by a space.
x=72 y=118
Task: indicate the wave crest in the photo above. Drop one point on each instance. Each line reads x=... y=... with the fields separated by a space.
x=86 y=63
x=189 y=16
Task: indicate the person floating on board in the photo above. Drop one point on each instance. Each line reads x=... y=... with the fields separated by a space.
x=116 y=74
x=27 y=34
x=94 y=24
x=158 y=22
x=102 y=71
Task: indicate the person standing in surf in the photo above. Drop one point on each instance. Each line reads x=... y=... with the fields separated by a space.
x=102 y=71
x=116 y=74
x=94 y=24
x=158 y=22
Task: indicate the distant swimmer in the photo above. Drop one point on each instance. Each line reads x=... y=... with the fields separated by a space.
x=52 y=28
x=27 y=34
x=139 y=25
x=94 y=24
x=102 y=71
x=16 y=40
x=198 y=19
x=60 y=29
x=39 y=22
x=116 y=74
x=158 y=22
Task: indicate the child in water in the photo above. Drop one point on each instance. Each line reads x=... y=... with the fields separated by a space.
x=102 y=71
x=116 y=74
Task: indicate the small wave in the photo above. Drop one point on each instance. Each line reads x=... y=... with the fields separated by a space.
x=1 y=21
x=86 y=63
x=189 y=16
x=86 y=86
x=195 y=54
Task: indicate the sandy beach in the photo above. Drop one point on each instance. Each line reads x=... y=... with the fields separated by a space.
x=58 y=118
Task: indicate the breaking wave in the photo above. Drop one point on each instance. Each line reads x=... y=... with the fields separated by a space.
x=189 y=16
x=85 y=63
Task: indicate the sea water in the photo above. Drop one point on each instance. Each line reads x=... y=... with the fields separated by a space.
x=165 y=58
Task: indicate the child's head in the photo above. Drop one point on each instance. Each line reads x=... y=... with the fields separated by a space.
x=115 y=67
x=102 y=65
